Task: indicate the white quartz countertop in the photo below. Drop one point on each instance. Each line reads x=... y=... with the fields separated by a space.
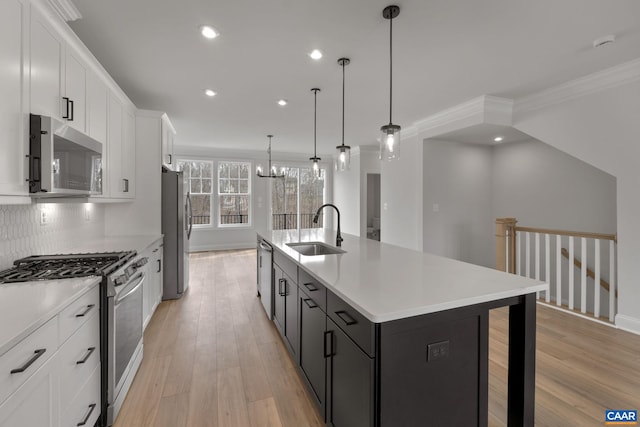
x=26 y=306
x=386 y=282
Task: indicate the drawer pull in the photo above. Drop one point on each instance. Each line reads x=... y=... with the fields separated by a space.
x=344 y=316
x=90 y=351
x=87 y=310
x=329 y=347
x=311 y=287
x=86 y=418
x=36 y=356
x=282 y=290
x=310 y=303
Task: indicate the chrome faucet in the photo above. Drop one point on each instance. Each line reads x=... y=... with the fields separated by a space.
x=315 y=221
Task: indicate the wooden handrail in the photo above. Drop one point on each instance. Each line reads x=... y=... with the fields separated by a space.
x=603 y=283
x=569 y=233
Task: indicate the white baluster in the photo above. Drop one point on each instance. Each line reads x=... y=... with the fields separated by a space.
x=596 y=280
x=571 y=258
x=612 y=280
x=537 y=261
x=527 y=263
x=547 y=266
x=559 y=270
x=583 y=276
x=518 y=254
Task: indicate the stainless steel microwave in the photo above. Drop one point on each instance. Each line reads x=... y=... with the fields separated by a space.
x=62 y=160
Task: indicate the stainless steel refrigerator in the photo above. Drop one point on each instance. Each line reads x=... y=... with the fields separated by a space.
x=177 y=222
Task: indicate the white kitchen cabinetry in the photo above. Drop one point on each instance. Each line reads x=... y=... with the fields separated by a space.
x=168 y=136
x=14 y=25
x=97 y=104
x=75 y=88
x=152 y=294
x=46 y=68
x=53 y=374
x=121 y=165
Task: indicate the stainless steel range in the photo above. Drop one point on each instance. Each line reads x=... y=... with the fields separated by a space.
x=120 y=307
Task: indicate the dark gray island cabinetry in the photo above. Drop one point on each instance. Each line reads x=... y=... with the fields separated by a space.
x=389 y=337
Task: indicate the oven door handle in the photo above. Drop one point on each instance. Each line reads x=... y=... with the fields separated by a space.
x=134 y=288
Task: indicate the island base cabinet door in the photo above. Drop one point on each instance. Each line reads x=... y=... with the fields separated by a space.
x=278 y=300
x=291 y=315
x=312 y=347
x=350 y=382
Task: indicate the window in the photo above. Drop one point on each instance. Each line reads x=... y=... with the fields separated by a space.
x=296 y=198
x=198 y=180
x=234 y=193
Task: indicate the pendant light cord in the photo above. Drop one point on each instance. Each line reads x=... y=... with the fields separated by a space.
x=315 y=119
x=390 y=68
x=343 y=64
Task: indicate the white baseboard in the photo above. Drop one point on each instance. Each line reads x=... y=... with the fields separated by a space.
x=628 y=323
x=222 y=247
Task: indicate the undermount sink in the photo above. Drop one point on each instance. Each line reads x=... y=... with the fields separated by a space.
x=315 y=248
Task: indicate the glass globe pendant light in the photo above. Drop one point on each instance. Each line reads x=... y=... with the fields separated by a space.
x=390 y=134
x=343 y=159
x=272 y=172
x=315 y=159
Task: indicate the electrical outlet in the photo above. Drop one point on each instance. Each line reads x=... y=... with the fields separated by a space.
x=436 y=207
x=44 y=218
x=87 y=213
x=437 y=351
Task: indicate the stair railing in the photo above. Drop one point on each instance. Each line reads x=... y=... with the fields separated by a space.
x=528 y=251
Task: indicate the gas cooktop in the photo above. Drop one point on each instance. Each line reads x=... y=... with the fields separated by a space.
x=50 y=267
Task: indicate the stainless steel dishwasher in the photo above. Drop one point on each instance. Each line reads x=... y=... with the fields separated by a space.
x=265 y=272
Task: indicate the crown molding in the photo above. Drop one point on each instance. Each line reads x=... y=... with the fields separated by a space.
x=618 y=75
x=483 y=109
x=66 y=9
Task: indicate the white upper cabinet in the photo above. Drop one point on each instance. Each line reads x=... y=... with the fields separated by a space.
x=75 y=99
x=168 y=135
x=121 y=161
x=14 y=24
x=97 y=102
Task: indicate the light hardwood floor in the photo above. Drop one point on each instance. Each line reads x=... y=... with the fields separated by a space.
x=213 y=359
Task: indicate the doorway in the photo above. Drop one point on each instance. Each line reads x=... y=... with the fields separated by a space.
x=373 y=206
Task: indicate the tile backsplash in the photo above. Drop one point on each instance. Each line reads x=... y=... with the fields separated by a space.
x=47 y=228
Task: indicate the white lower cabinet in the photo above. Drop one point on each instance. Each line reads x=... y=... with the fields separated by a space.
x=152 y=294
x=59 y=386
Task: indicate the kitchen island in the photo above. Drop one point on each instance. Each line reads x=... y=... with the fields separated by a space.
x=386 y=336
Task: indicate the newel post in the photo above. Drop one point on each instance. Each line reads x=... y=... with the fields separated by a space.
x=506 y=244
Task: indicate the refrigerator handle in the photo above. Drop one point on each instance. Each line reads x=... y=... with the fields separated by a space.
x=189 y=215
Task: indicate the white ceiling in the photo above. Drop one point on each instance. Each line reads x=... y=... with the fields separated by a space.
x=445 y=52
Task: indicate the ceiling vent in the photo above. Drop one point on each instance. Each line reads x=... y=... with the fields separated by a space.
x=604 y=40
x=66 y=9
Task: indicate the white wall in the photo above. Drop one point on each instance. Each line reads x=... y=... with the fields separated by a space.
x=457 y=201
x=346 y=188
x=542 y=186
x=401 y=193
x=603 y=129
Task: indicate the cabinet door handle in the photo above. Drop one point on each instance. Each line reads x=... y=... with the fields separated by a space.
x=310 y=303
x=86 y=418
x=329 y=347
x=86 y=357
x=87 y=310
x=66 y=116
x=280 y=287
x=159 y=266
x=170 y=158
x=344 y=316
x=36 y=356
x=126 y=185
x=71 y=115
x=260 y=263
x=311 y=287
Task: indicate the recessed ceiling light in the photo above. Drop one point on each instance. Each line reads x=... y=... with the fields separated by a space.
x=315 y=54
x=282 y=102
x=498 y=138
x=209 y=32
x=209 y=92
